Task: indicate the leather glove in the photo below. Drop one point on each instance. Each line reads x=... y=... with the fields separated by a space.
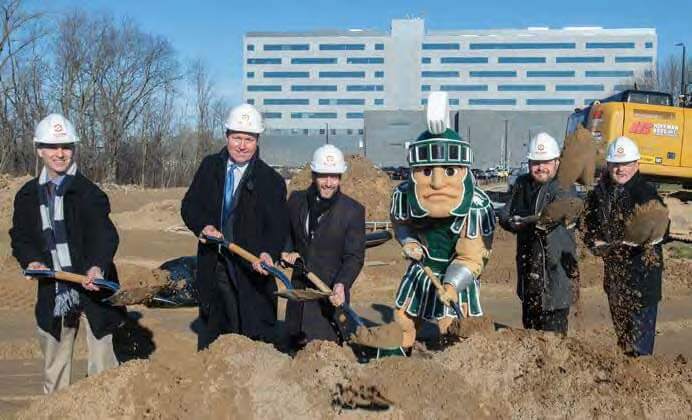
x=647 y=224
x=578 y=159
x=413 y=250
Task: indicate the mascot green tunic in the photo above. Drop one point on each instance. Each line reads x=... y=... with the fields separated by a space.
x=443 y=222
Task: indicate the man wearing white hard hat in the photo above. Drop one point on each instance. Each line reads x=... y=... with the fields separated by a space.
x=327 y=237
x=61 y=223
x=626 y=222
x=237 y=196
x=542 y=214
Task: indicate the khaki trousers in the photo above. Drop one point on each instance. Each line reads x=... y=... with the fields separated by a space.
x=57 y=366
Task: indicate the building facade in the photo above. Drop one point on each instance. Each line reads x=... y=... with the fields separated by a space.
x=323 y=81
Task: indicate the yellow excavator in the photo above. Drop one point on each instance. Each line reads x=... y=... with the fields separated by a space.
x=663 y=133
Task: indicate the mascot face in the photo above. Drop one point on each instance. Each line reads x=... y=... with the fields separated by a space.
x=439 y=189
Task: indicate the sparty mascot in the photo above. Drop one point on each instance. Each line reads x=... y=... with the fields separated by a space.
x=443 y=222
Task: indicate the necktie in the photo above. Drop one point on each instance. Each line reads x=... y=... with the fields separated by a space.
x=228 y=192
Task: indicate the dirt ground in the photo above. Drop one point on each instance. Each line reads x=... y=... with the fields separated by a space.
x=508 y=373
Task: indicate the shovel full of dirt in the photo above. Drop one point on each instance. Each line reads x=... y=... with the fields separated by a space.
x=120 y=297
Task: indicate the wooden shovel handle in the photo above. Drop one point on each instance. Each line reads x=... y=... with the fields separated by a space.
x=243 y=253
x=318 y=282
x=71 y=277
x=433 y=278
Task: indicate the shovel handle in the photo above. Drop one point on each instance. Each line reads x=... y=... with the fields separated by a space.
x=71 y=277
x=436 y=282
x=243 y=253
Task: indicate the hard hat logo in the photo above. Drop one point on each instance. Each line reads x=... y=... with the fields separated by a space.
x=57 y=128
x=541 y=147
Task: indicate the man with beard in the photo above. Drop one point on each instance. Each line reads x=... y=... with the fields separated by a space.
x=327 y=237
x=546 y=249
x=626 y=222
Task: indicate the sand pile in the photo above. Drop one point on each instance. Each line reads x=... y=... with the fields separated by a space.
x=157 y=216
x=493 y=374
x=16 y=292
x=362 y=181
x=9 y=186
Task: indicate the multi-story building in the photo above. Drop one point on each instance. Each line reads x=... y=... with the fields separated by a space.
x=327 y=79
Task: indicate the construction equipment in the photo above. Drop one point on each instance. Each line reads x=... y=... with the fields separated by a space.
x=663 y=134
x=119 y=297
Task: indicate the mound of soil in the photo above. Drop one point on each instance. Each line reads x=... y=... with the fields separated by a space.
x=9 y=186
x=492 y=374
x=362 y=181
x=157 y=216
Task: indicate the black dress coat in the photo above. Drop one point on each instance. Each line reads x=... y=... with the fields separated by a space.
x=630 y=273
x=550 y=254
x=93 y=241
x=259 y=224
x=336 y=254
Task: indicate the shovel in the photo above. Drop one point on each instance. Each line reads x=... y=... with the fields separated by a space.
x=119 y=297
x=249 y=257
x=386 y=337
x=440 y=289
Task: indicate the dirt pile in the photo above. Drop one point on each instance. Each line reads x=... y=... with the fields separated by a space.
x=492 y=374
x=157 y=216
x=16 y=292
x=9 y=186
x=362 y=181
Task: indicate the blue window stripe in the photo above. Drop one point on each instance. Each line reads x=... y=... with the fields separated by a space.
x=263 y=61
x=344 y=101
x=250 y=47
x=428 y=73
x=331 y=74
x=264 y=88
x=379 y=101
x=313 y=88
x=464 y=88
x=560 y=60
x=250 y=101
x=286 y=47
x=424 y=101
x=250 y=74
x=578 y=88
x=341 y=47
x=320 y=115
x=550 y=73
x=354 y=115
x=523 y=46
x=634 y=59
x=491 y=73
x=313 y=60
x=620 y=88
x=286 y=101
x=520 y=60
x=588 y=101
x=463 y=60
x=441 y=46
x=365 y=60
x=379 y=47
x=379 y=74
x=609 y=73
x=364 y=88
x=521 y=88
x=286 y=74
x=550 y=102
x=610 y=45
x=425 y=88
x=483 y=101
x=454 y=101
x=649 y=45
x=425 y=60
x=273 y=115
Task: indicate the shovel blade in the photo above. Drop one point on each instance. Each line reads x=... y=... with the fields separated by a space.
x=135 y=296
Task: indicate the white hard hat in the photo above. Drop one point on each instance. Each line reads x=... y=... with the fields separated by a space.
x=245 y=118
x=622 y=150
x=543 y=147
x=328 y=159
x=55 y=129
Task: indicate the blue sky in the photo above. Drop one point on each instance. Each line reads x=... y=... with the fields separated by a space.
x=213 y=30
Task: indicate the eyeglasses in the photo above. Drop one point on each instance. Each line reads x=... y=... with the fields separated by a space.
x=236 y=141
x=63 y=146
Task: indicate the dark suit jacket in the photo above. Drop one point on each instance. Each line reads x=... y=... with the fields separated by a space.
x=336 y=255
x=260 y=224
x=93 y=241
